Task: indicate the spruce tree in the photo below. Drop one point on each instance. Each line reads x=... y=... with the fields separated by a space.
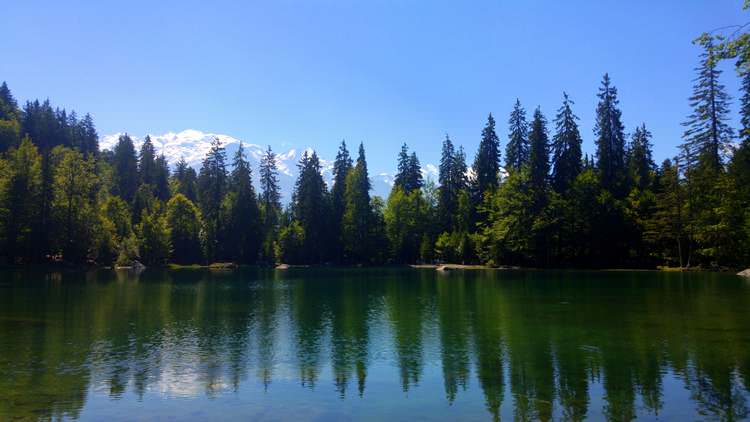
x=409 y=176
x=517 y=150
x=539 y=152
x=147 y=163
x=566 y=148
x=610 y=140
x=10 y=127
x=356 y=225
x=342 y=165
x=186 y=180
x=243 y=231
x=448 y=194
x=309 y=208
x=487 y=161
x=161 y=182
x=640 y=161
x=708 y=134
x=125 y=169
x=269 y=189
x=212 y=186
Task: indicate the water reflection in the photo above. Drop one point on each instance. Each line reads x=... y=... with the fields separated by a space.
x=528 y=345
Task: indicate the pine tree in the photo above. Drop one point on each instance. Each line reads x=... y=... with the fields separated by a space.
x=186 y=180
x=10 y=127
x=147 y=163
x=409 y=175
x=640 y=161
x=448 y=194
x=161 y=180
x=356 y=224
x=125 y=169
x=708 y=134
x=342 y=165
x=309 y=208
x=212 y=186
x=89 y=143
x=487 y=160
x=517 y=150
x=539 y=152
x=243 y=231
x=566 y=147
x=270 y=202
x=610 y=140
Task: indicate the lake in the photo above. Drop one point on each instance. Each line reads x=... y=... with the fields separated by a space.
x=373 y=344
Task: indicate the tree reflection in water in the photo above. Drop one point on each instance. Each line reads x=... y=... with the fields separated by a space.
x=532 y=345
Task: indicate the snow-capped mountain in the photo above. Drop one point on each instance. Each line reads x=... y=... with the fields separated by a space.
x=193 y=145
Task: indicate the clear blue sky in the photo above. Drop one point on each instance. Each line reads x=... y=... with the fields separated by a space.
x=313 y=72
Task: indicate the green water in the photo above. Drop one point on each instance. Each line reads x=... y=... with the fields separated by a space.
x=374 y=344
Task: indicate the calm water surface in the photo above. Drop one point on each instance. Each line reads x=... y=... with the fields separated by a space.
x=374 y=344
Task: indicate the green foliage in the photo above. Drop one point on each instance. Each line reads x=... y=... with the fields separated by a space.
x=20 y=190
x=74 y=185
x=404 y=224
x=185 y=223
x=357 y=220
x=154 y=242
x=290 y=247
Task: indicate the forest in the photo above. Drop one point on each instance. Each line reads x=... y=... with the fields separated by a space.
x=539 y=203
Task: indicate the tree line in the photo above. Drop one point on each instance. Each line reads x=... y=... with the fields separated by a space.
x=541 y=203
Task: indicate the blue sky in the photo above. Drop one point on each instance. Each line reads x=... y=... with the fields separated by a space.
x=309 y=73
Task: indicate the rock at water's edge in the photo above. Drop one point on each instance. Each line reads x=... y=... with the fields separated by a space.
x=745 y=273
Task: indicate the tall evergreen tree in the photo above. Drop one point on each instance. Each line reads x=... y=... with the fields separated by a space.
x=270 y=202
x=342 y=165
x=243 y=232
x=186 y=180
x=356 y=224
x=147 y=163
x=409 y=175
x=539 y=152
x=212 y=186
x=708 y=134
x=640 y=161
x=566 y=147
x=487 y=161
x=125 y=169
x=610 y=140
x=517 y=150
x=448 y=194
x=161 y=180
x=309 y=207
x=10 y=126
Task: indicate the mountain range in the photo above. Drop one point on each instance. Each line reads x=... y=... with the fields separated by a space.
x=193 y=145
